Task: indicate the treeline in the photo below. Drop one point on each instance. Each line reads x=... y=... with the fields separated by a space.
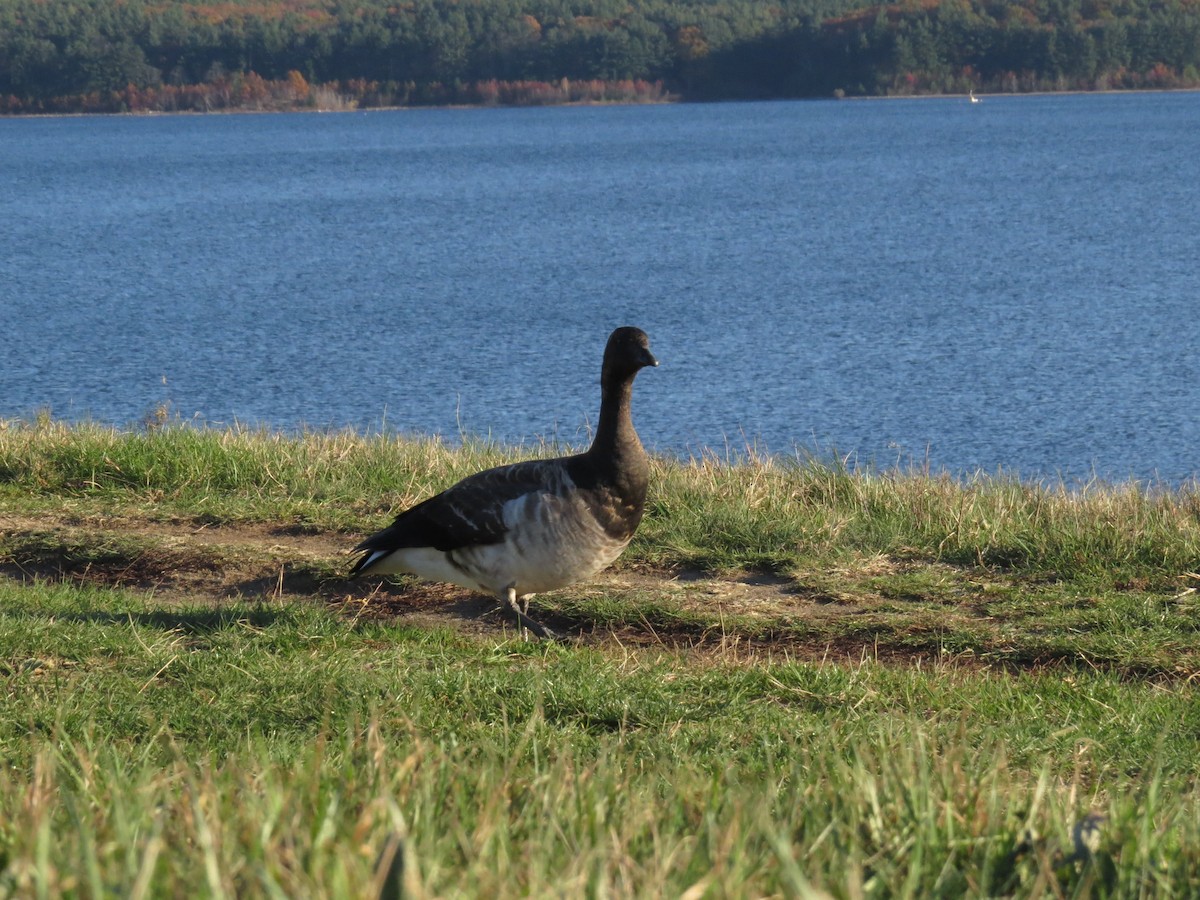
x=960 y=45
x=61 y=55
x=251 y=92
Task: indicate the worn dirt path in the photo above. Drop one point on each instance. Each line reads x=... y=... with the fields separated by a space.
x=182 y=562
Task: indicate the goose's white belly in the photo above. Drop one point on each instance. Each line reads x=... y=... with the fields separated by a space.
x=551 y=542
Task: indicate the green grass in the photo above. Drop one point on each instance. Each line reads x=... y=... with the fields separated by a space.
x=935 y=684
x=257 y=750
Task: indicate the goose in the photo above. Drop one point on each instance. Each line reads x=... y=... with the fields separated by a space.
x=534 y=526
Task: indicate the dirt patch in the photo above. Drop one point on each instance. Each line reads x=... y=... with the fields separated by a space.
x=290 y=539
x=829 y=616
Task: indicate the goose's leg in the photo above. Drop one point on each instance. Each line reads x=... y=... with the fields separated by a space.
x=509 y=599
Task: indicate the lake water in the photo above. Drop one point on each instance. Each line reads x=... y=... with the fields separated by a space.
x=1011 y=284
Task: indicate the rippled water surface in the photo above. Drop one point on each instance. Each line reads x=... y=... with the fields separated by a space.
x=1008 y=284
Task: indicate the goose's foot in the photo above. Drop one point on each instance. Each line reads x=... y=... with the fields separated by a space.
x=510 y=601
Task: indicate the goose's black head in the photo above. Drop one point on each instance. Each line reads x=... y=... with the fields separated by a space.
x=627 y=351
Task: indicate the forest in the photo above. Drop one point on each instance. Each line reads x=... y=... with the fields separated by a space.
x=169 y=55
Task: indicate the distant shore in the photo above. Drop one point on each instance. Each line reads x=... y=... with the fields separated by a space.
x=665 y=98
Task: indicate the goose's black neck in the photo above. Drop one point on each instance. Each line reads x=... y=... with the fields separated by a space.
x=615 y=472
x=616 y=459
x=616 y=439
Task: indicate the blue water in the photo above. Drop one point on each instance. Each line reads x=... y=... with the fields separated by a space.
x=1011 y=284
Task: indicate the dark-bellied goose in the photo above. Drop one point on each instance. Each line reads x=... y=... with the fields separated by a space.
x=534 y=526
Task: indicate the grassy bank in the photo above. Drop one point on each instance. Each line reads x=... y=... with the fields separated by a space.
x=779 y=515
x=799 y=679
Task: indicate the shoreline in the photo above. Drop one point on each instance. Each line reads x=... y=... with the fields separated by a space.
x=669 y=100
